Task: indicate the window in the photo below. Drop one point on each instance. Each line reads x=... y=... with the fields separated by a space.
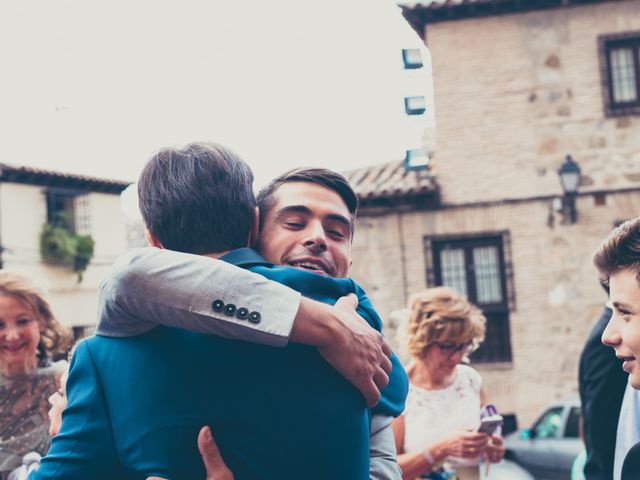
x=572 y=429
x=412 y=58
x=620 y=65
x=416 y=159
x=475 y=267
x=82 y=331
x=415 y=105
x=69 y=208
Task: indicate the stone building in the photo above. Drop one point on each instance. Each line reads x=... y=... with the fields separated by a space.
x=517 y=86
x=31 y=198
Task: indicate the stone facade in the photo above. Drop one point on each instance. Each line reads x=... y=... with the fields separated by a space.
x=557 y=294
x=514 y=94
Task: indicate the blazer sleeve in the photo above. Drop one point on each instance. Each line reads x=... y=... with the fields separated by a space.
x=383 y=462
x=84 y=448
x=148 y=287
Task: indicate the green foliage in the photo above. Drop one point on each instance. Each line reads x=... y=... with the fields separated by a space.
x=59 y=245
x=84 y=252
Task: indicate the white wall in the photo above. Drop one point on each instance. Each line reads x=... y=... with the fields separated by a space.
x=22 y=215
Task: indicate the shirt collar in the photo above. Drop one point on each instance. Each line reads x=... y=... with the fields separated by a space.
x=245 y=257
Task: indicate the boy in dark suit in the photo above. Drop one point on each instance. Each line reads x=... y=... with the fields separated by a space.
x=618 y=262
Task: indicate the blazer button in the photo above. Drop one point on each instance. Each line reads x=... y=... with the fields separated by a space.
x=254 y=317
x=217 y=305
x=242 y=313
x=230 y=309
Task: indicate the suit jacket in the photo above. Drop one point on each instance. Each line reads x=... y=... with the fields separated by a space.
x=631 y=465
x=602 y=383
x=137 y=404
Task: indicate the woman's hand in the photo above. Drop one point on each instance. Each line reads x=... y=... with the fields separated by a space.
x=216 y=468
x=467 y=444
x=495 y=449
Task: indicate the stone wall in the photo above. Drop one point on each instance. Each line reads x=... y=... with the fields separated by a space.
x=515 y=93
x=557 y=295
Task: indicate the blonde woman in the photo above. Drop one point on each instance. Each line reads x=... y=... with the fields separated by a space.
x=437 y=431
x=29 y=336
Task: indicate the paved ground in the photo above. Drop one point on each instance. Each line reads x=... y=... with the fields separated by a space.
x=506 y=470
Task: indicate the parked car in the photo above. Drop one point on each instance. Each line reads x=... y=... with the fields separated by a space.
x=548 y=449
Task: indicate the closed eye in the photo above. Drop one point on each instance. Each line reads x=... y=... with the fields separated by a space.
x=294 y=225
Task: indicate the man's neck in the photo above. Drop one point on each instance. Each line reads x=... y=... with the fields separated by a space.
x=215 y=255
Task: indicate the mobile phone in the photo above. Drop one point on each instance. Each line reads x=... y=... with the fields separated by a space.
x=490 y=424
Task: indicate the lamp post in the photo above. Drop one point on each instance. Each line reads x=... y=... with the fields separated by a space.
x=570 y=175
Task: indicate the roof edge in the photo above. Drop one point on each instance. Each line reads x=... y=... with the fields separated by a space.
x=420 y=15
x=48 y=178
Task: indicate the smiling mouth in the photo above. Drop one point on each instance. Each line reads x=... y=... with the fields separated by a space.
x=311 y=266
x=13 y=348
x=627 y=363
x=625 y=359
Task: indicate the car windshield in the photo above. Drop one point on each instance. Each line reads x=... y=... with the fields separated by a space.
x=549 y=424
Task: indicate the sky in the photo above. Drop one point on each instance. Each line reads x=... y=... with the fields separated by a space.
x=96 y=87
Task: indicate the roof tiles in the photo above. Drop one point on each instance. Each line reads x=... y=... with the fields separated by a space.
x=391 y=180
x=51 y=178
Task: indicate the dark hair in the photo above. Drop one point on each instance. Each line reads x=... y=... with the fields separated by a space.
x=197 y=198
x=619 y=251
x=321 y=176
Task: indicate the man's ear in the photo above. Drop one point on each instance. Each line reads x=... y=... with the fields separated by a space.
x=255 y=229
x=151 y=240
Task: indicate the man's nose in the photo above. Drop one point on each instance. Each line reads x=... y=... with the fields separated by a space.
x=316 y=237
x=611 y=336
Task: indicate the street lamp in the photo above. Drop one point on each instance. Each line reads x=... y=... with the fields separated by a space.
x=570 y=176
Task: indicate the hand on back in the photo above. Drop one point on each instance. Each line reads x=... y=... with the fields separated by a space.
x=359 y=352
x=213 y=462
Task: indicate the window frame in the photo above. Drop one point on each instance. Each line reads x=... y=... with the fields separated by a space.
x=80 y=219
x=408 y=62
x=498 y=313
x=606 y=43
x=412 y=110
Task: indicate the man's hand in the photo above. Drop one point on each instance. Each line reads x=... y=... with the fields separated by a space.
x=216 y=468
x=350 y=345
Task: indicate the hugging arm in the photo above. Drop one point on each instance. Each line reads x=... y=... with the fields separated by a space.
x=383 y=463
x=149 y=287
